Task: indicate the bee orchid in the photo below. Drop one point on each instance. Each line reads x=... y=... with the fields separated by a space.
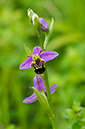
x=38 y=59
x=39 y=85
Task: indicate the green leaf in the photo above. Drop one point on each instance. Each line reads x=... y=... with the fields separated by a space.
x=76 y=102
x=43 y=101
x=28 y=51
x=76 y=105
x=68 y=113
x=83 y=113
x=77 y=125
x=51 y=26
x=48 y=34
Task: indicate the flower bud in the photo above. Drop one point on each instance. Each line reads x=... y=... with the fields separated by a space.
x=30 y=14
x=44 y=25
x=35 y=20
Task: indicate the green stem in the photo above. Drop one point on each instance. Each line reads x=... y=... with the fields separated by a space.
x=53 y=122
x=51 y=115
x=47 y=86
x=45 y=76
x=41 y=43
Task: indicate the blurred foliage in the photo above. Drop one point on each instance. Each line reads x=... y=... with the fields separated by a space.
x=67 y=70
x=76 y=115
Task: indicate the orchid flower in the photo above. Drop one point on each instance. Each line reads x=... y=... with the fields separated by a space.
x=39 y=85
x=38 y=53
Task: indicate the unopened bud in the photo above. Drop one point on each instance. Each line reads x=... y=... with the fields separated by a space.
x=30 y=14
x=35 y=20
x=44 y=25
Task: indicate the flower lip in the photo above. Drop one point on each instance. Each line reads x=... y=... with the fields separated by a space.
x=39 y=85
x=44 y=24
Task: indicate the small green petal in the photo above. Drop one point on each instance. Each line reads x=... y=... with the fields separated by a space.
x=28 y=51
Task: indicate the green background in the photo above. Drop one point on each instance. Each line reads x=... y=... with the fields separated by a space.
x=67 y=70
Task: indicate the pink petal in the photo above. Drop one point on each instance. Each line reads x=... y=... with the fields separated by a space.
x=37 y=50
x=26 y=64
x=39 y=83
x=30 y=99
x=48 y=55
x=45 y=24
x=53 y=88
